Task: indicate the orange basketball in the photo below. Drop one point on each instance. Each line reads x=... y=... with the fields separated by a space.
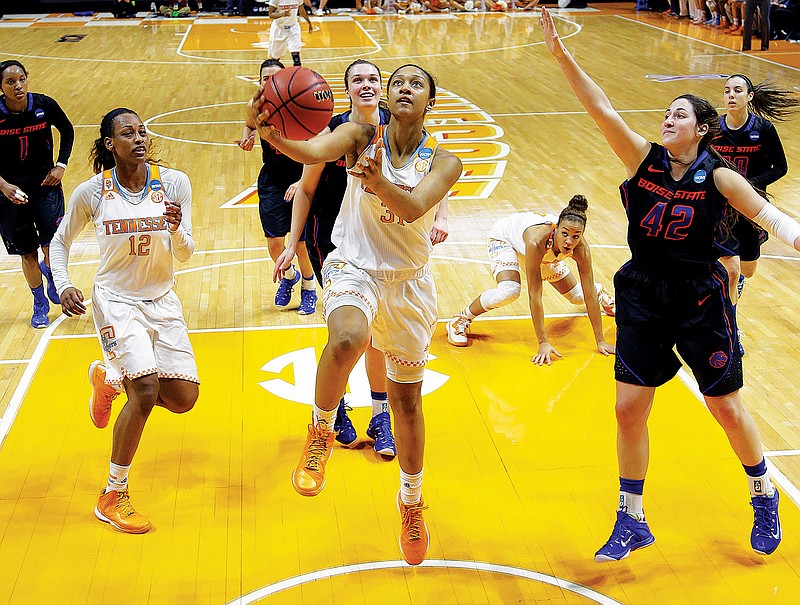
x=299 y=101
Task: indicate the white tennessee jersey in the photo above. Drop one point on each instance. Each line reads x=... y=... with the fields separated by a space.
x=368 y=234
x=136 y=248
x=512 y=228
x=293 y=6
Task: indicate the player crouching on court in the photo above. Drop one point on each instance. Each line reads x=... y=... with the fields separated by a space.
x=378 y=280
x=544 y=241
x=142 y=216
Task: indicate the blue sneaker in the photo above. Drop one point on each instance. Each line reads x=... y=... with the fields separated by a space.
x=629 y=534
x=766 y=534
x=343 y=427
x=52 y=293
x=284 y=294
x=308 y=302
x=380 y=430
x=39 y=319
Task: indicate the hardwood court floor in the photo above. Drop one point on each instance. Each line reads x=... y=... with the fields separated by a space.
x=520 y=463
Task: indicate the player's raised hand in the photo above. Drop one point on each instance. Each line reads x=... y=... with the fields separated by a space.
x=551 y=38
x=368 y=169
x=257 y=114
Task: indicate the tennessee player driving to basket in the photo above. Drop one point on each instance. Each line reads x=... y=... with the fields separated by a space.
x=378 y=277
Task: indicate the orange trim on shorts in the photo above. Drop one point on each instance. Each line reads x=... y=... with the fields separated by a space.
x=328 y=295
x=406 y=362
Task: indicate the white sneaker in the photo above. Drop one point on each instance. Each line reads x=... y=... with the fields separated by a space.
x=606 y=300
x=318 y=13
x=457 y=329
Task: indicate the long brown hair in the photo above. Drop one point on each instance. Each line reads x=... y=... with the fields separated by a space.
x=769 y=100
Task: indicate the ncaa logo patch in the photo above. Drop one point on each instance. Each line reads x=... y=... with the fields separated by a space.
x=425 y=153
x=718 y=360
x=700 y=176
x=39 y=113
x=421 y=165
x=155 y=185
x=754 y=135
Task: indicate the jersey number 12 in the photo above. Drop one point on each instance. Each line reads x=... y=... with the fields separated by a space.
x=140 y=245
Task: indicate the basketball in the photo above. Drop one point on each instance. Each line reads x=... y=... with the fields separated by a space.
x=299 y=101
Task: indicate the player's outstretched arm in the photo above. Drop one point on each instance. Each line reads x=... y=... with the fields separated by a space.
x=745 y=199
x=583 y=259
x=534 y=252
x=628 y=145
x=348 y=138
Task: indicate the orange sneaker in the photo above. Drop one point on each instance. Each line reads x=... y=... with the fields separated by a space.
x=115 y=508
x=102 y=395
x=308 y=478
x=414 y=535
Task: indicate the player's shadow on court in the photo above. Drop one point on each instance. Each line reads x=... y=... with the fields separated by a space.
x=365 y=448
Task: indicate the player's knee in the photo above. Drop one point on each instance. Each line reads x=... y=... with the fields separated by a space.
x=505 y=293
x=144 y=391
x=728 y=411
x=630 y=415
x=185 y=400
x=346 y=345
x=575 y=295
x=31 y=259
x=276 y=246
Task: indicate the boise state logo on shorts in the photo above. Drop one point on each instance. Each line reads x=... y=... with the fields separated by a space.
x=700 y=176
x=754 y=135
x=155 y=185
x=39 y=113
x=425 y=153
x=718 y=360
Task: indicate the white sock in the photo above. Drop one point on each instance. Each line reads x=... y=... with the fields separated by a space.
x=761 y=486
x=308 y=283
x=468 y=314
x=631 y=504
x=326 y=416
x=290 y=273
x=380 y=405
x=410 y=488
x=117 y=477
